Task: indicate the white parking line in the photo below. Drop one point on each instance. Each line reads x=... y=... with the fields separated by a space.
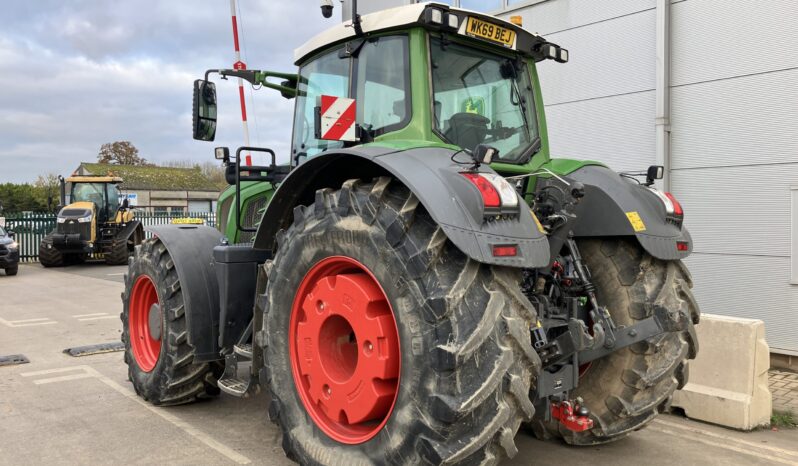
x=27 y=322
x=115 y=274
x=90 y=372
x=90 y=315
x=98 y=318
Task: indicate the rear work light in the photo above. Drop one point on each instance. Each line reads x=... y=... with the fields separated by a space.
x=498 y=196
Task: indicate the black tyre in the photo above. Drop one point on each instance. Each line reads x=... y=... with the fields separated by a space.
x=160 y=360
x=12 y=270
x=49 y=256
x=628 y=388
x=118 y=252
x=458 y=391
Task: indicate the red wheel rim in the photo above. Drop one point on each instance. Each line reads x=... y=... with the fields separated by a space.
x=344 y=350
x=146 y=349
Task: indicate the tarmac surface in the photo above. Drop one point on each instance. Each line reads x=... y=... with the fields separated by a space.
x=60 y=409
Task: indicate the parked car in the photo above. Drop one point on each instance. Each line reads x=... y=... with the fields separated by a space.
x=9 y=252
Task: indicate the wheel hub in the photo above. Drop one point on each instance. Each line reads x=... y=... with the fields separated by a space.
x=154 y=320
x=344 y=350
x=144 y=323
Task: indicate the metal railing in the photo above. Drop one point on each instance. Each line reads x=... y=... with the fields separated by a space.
x=30 y=228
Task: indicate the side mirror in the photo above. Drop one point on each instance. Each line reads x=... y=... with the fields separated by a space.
x=655 y=172
x=11 y=234
x=204 y=117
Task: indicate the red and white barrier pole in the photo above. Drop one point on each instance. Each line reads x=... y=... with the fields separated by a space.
x=240 y=65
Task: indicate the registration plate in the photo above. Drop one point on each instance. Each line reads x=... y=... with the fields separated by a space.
x=489 y=31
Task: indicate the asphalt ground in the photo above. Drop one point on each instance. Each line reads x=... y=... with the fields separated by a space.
x=60 y=409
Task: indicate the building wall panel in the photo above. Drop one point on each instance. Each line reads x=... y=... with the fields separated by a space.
x=618 y=131
x=716 y=39
x=754 y=287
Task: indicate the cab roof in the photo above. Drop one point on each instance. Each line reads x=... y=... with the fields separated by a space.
x=94 y=179
x=408 y=15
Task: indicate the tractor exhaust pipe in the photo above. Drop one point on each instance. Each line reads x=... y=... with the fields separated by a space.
x=62 y=190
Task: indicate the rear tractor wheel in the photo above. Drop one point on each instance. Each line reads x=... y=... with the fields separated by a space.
x=627 y=389
x=160 y=360
x=387 y=345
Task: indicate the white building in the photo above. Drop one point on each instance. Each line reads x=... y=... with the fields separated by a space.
x=726 y=76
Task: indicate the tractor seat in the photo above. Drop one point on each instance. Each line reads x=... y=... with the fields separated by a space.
x=466 y=130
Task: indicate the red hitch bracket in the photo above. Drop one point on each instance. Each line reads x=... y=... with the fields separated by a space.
x=574 y=417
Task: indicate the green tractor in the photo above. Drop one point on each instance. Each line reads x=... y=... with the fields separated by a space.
x=421 y=279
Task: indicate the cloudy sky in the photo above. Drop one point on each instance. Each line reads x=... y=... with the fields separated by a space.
x=76 y=74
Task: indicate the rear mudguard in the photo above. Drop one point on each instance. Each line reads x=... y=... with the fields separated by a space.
x=191 y=249
x=610 y=197
x=435 y=180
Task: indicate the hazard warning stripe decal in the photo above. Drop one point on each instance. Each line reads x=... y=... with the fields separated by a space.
x=337 y=118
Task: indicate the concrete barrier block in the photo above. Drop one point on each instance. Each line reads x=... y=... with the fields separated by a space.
x=728 y=382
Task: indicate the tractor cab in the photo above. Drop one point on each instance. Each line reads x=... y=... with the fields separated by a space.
x=425 y=75
x=98 y=194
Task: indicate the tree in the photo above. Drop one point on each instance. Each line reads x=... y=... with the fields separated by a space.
x=48 y=187
x=17 y=198
x=120 y=153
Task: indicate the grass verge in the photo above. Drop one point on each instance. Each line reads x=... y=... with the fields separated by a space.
x=783 y=419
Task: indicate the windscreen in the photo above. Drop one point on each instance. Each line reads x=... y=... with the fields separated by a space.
x=483 y=98
x=88 y=192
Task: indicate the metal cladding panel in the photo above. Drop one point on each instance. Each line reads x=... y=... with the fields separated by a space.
x=618 y=131
x=715 y=39
x=606 y=58
x=738 y=210
x=745 y=120
x=755 y=287
x=549 y=17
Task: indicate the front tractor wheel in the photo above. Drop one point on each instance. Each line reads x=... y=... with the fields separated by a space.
x=387 y=345
x=160 y=361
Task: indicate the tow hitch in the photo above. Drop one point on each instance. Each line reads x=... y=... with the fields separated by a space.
x=573 y=415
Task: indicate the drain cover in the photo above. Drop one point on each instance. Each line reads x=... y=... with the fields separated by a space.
x=95 y=349
x=13 y=360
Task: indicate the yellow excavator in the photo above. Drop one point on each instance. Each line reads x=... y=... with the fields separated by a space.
x=94 y=222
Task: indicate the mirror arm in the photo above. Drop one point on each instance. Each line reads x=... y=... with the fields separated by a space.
x=256 y=77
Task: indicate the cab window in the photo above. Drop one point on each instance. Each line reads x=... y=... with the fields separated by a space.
x=383 y=82
x=327 y=75
x=376 y=76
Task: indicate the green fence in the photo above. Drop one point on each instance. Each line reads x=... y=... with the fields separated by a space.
x=30 y=228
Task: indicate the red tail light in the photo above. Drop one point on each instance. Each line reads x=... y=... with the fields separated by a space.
x=505 y=250
x=677 y=207
x=490 y=195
